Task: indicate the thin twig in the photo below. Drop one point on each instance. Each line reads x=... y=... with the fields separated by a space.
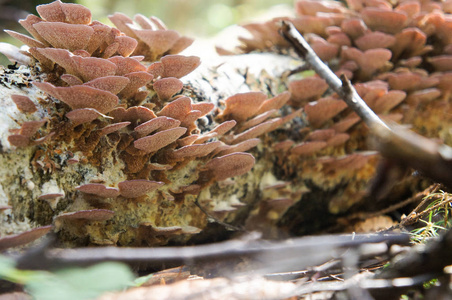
x=418 y=197
x=395 y=142
x=225 y=225
x=414 y=216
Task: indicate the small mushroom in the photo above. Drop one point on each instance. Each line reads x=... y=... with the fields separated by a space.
x=230 y=165
x=98 y=189
x=64 y=12
x=23 y=238
x=196 y=150
x=338 y=140
x=133 y=114
x=373 y=40
x=255 y=131
x=96 y=215
x=308 y=148
x=137 y=80
x=126 y=65
x=19 y=140
x=81 y=96
x=114 y=127
x=84 y=115
x=307 y=89
x=159 y=140
x=240 y=147
x=112 y=84
x=167 y=87
x=384 y=20
x=65 y=36
x=177 y=109
x=138 y=187
x=324 y=109
x=159 y=123
x=178 y=66
x=320 y=135
x=274 y=103
x=242 y=106
x=441 y=63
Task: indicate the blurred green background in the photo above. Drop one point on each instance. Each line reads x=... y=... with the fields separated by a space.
x=195 y=18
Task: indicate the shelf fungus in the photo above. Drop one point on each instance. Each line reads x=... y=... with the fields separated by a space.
x=141 y=145
x=397 y=54
x=122 y=138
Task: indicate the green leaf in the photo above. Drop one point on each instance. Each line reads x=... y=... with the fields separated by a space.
x=10 y=273
x=140 y=280
x=82 y=283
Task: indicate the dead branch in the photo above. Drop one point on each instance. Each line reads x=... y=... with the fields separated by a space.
x=277 y=255
x=394 y=142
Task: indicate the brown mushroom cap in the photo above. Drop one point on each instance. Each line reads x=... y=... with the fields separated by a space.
x=307 y=89
x=167 y=87
x=308 y=148
x=24 y=104
x=83 y=115
x=98 y=190
x=112 y=84
x=23 y=238
x=274 y=103
x=81 y=96
x=178 y=65
x=64 y=12
x=159 y=123
x=376 y=39
x=195 y=150
x=66 y=36
x=98 y=215
x=324 y=109
x=230 y=165
x=159 y=140
x=114 y=127
x=138 y=187
x=384 y=20
x=242 y=106
x=240 y=147
x=158 y=41
x=19 y=140
x=177 y=109
x=256 y=131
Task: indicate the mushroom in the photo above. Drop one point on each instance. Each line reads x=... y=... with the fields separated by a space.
x=23 y=238
x=137 y=188
x=230 y=165
x=159 y=140
x=98 y=189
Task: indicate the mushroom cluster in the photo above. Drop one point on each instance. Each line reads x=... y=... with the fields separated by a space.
x=105 y=104
x=397 y=54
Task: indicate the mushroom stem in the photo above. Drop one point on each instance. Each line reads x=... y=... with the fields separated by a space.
x=394 y=142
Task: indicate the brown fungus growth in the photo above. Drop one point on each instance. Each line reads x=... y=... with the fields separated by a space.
x=229 y=165
x=23 y=238
x=99 y=190
x=167 y=87
x=89 y=215
x=137 y=188
x=133 y=141
x=154 y=39
x=24 y=104
x=159 y=140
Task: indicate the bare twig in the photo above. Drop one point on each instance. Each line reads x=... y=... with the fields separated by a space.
x=416 y=198
x=414 y=216
x=395 y=142
x=225 y=225
x=314 y=249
